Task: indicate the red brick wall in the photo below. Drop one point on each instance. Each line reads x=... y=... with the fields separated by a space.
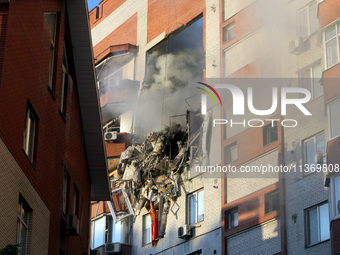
x=59 y=142
x=251 y=211
x=250 y=143
x=105 y=8
x=169 y=15
x=125 y=33
x=329 y=11
x=330 y=82
x=335 y=233
x=3 y=31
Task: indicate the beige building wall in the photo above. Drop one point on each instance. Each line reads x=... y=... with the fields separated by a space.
x=13 y=183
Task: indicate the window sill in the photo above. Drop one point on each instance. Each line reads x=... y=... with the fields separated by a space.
x=312 y=245
x=328 y=68
x=267 y=144
x=32 y=163
x=62 y=116
x=52 y=93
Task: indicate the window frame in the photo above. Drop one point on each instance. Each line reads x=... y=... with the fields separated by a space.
x=75 y=201
x=65 y=189
x=304 y=144
x=30 y=133
x=337 y=100
x=268 y=198
x=266 y=129
x=307 y=8
x=196 y=207
x=225 y=31
x=333 y=207
x=336 y=24
x=24 y=206
x=230 y=212
x=228 y=155
x=53 y=45
x=145 y=230
x=109 y=233
x=64 y=83
x=307 y=226
x=311 y=78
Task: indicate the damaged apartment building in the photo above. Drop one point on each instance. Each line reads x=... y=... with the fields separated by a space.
x=154 y=131
x=147 y=53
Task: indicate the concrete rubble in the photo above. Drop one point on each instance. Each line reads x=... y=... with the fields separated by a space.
x=149 y=172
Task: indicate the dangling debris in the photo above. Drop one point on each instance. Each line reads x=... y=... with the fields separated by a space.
x=148 y=174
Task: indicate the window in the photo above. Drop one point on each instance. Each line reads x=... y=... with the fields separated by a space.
x=312 y=147
x=232 y=218
x=65 y=188
x=309 y=79
x=75 y=200
x=51 y=18
x=146 y=229
x=30 y=132
x=331 y=37
x=272 y=201
x=308 y=20
x=195 y=207
x=317 y=224
x=334 y=118
x=98 y=230
x=108 y=229
x=337 y=195
x=230 y=153
x=229 y=32
x=270 y=134
x=64 y=83
x=23 y=225
x=105 y=230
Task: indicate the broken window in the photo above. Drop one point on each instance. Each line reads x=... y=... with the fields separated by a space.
x=120 y=206
x=173 y=64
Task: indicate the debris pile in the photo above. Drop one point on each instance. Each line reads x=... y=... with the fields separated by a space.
x=148 y=174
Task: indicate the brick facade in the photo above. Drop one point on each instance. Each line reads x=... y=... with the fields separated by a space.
x=59 y=138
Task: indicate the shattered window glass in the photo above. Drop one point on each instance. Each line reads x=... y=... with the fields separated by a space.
x=120 y=206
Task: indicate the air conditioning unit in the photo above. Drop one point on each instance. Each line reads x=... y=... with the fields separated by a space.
x=72 y=224
x=112 y=248
x=109 y=136
x=296 y=45
x=184 y=231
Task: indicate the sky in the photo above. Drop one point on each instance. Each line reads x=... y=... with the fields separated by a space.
x=92 y=3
